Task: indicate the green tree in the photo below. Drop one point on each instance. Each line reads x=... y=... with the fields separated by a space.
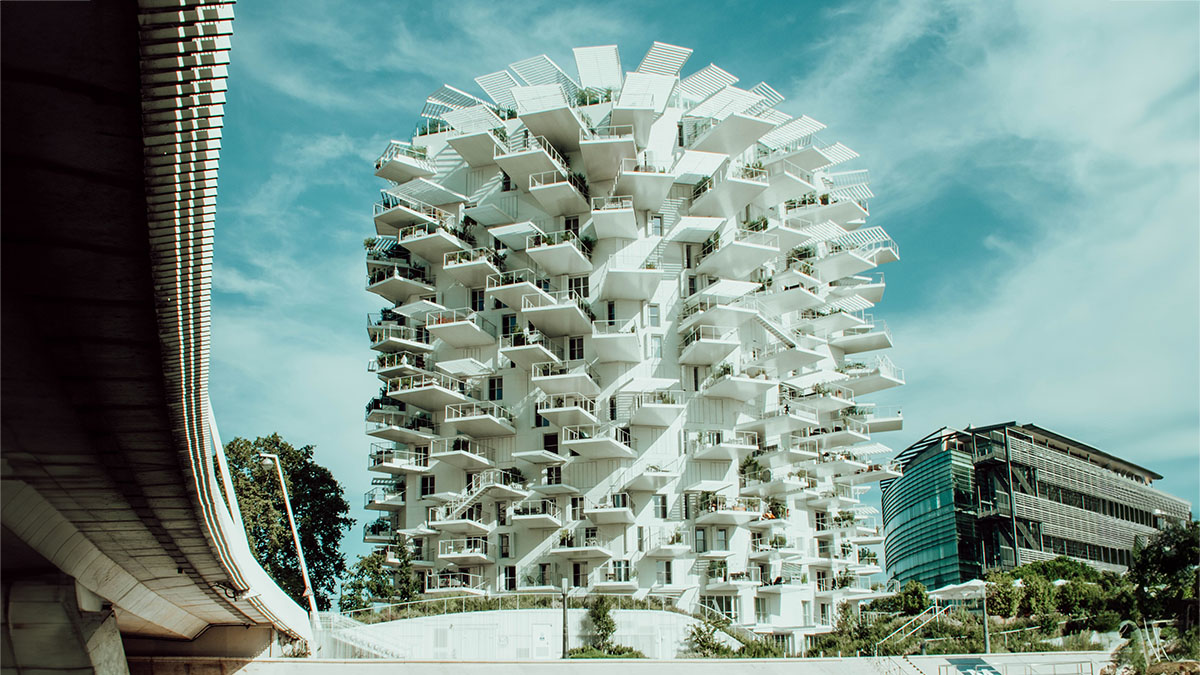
x=913 y=598
x=368 y=579
x=1061 y=567
x=320 y=509
x=1038 y=598
x=1077 y=597
x=603 y=625
x=1167 y=575
x=1003 y=596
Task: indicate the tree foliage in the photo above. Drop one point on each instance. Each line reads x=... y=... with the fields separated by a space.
x=1166 y=574
x=1038 y=598
x=368 y=579
x=1003 y=596
x=320 y=509
x=603 y=625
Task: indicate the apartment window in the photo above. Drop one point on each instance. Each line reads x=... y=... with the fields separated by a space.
x=653 y=318
x=575 y=347
x=701 y=540
x=477 y=299
x=725 y=605
x=761 y=615
x=554 y=475
x=576 y=508
x=641 y=538
x=721 y=541
x=654 y=347
x=612 y=311
x=695 y=378
x=539 y=421
x=510 y=578
x=656 y=225
x=508 y=324
x=550 y=444
x=502 y=513
x=571 y=224
x=506 y=184
x=495 y=388
x=687 y=262
x=691 y=285
x=579 y=575
x=505 y=546
x=580 y=285
x=664 y=572
x=660 y=506
x=427 y=485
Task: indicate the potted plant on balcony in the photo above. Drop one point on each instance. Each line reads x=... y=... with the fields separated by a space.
x=676 y=537
x=778 y=541
x=565 y=538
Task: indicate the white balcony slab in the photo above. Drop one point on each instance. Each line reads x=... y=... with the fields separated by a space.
x=651 y=479
x=537 y=521
x=739 y=387
x=388 y=221
x=512 y=293
x=558 y=319
x=617 y=347
x=429 y=396
x=708 y=351
x=540 y=458
x=620 y=223
x=843 y=264
x=477 y=148
x=461 y=333
x=733 y=134
x=648 y=188
x=576 y=381
x=462 y=459
x=609 y=515
x=567 y=414
x=727 y=197
x=560 y=125
x=464 y=526
x=737 y=258
x=779 y=300
x=602 y=155
x=397 y=288
x=400 y=433
x=401 y=168
x=856 y=343
x=694 y=229
x=521 y=165
x=515 y=235
x=527 y=354
x=562 y=258
x=596 y=552
x=656 y=414
x=558 y=198
x=602 y=447
x=785 y=182
x=629 y=283
x=473 y=273
x=482 y=425
x=433 y=246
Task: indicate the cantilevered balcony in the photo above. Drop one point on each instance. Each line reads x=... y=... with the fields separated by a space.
x=835 y=496
x=646 y=182
x=561 y=252
x=378 y=532
x=728 y=191
x=466 y=551
x=430 y=391
x=669 y=542
x=455 y=583
x=401 y=162
x=650 y=477
x=731 y=135
x=579 y=545
x=780 y=297
x=397 y=460
x=616 y=341
x=592 y=441
x=726 y=312
x=552 y=117
x=824 y=397
x=557 y=313
x=479 y=148
x=869 y=337
x=779 y=482
x=707 y=345
x=873 y=473
x=473 y=267
x=573 y=376
x=385 y=498
x=394 y=364
x=614 y=217
x=871 y=376
x=738 y=255
x=836 y=433
x=510 y=287
x=603 y=149
x=558 y=194
x=527 y=155
x=785 y=181
x=565 y=410
x=629 y=277
x=401 y=427
x=637 y=109
x=396 y=212
x=553 y=483
x=460 y=328
x=656 y=408
x=810 y=153
x=421 y=556
x=722 y=445
x=433 y=241
x=782 y=418
x=527 y=347
x=537 y=513
x=878 y=418
x=826 y=321
x=389 y=336
x=776 y=548
x=453 y=518
x=616 y=576
x=397 y=282
x=741 y=384
x=869 y=287
x=782 y=357
x=462 y=452
x=846 y=213
x=721 y=510
x=481 y=420
x=613 y=509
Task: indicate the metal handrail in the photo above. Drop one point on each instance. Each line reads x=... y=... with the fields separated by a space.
x=465 y=545
x=521 y=276
x=409 y=382
x=556 y=401
x=397 y=148
x=396 y=359
x=713 y=437
x=539 y=507
x=589 y=431
x=555 y=238
x=472 y=255
x=443 y=446
x=614 y=327
x=445 y=316
x=460 y=410
x=381 y=454
x=398 y=271
x=612 y=203
x=604 y=132
x=706 y=333
x=570 y=367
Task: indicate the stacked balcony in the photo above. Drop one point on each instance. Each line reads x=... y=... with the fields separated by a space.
x=718 y=578
x=571 y=409
x=645 y=182
x=460 y=328
x=400 y=426
x=558 y=194
x=557 y=313
x=479 y=148
x=552 y=482
x=775 y=483
x=783 y=357
x=743 y=384
x=394 y=364
x=775 y=548
x=461 y=452
x=739 y=255
x=511 y=287
x=604 y=148
x=846 y=213
x=669 y=543
x=455 y=583
x=580 y=544
x=573 y=376
x=525 y=348
x=658 y=408
x=650 y=477
x=537 y=513
x=728 y=191
x=389 y=336
x=616 y=341
x=378 y=532
x=722 y=510
x=594 y=441
x=723 y=445
x=396 y=282
x=385 y=498
x=613 y=217
x=466 y=521
x=561 y=252
x=552 y=117
x=480 y=420
x=715 y=311
x=465 y=551
x=729 y=135
x=614 y=509
x=616 y=576
x=871 y=376
x=878 y=418
x=430 y=391
x=872 y=336
x=401 y=162
x=629 y=277
x=705 y=345
x=527 y=155
x=474 y=266
x=786 y=181
x=397 y=460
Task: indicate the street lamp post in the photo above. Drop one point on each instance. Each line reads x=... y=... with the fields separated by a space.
x=267 y=460
x=565 y=647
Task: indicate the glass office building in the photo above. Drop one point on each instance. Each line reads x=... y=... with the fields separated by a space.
x=1004 y=495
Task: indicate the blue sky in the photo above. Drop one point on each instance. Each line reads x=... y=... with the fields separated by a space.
x=1038 y=164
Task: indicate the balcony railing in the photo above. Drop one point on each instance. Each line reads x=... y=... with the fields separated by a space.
x=881 y=363
x=618 y=573
x=537 y=507
x=658 y=397
x=554 y=299
x=544 y=178
x=847 y=424
x=595 y=431
x=380 y=331
x=384 y=494
x=575 y=540
x=613 y=203
x=706 y=333
x=401 y=359
x=410 y=382
x=714 y=437
x=521 y=276
x=462 y=410
x=721 y=573
x=710 y=503
x=571 y=367
x=473 y=255
x=411 y=273
x=840 y=582
x=617 y=132
x=527 y=338
x=400 y=148
x=387 y=453
x=425 y=229
x=461 y=444
x=586 y=403
x=389 y=201
x=394 y=417
x=617 y=500
x=636 y=165
x=378 y=528
x=446 y=316
x=618 y=327
x=524 y=143
x=717 y=242
x=668 y=536
x=466 y=546
x=454 y=581
x=733 y=171
x=559 y=237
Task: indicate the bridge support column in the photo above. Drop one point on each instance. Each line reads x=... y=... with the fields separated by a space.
x=52 y=623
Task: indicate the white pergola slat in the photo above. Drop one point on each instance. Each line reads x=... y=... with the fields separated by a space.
x=707 y=81
x=599 y=67
x=498 y=86
x=724 y=103
x=791 y=131
x=664 y=59
x=540 y=70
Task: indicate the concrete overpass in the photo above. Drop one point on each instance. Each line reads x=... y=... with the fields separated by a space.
x=121 y=534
